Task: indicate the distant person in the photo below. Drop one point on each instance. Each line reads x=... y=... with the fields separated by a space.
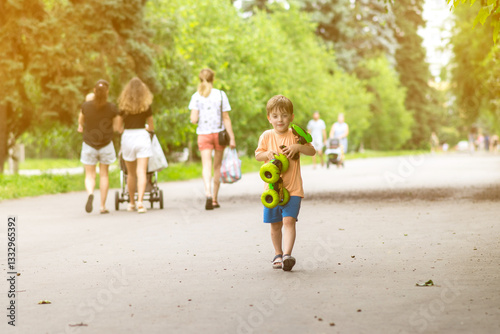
x=96 y=123
x=317 y=129
x=480 y=141
x=486 y=142
x=280 y=115
x=210 y=110
x=136 y=122
x=340 y=130
x=494 y=144
x=472 y=141
x=434 y=141
x=445 y=147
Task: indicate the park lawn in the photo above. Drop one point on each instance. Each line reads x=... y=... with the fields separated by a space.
x=45 y=164
x=18 y=186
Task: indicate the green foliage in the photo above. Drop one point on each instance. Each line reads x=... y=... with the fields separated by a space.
x=391 y=122
x=450 y=135
x=52 y=142
x=256 y=58
x=355 y=29
x=473 y=69
x=414 y=72
x=54 y=51
x=488 y=9
x=492 y=83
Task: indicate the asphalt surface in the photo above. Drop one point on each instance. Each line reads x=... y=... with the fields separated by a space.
x=366 y=235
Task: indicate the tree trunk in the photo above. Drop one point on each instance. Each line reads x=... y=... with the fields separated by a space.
x=3 y=136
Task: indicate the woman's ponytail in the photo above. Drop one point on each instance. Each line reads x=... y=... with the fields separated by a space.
x=206 y=82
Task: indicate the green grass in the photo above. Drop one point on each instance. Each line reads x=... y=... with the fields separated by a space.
x=18 y=186
x=45 y=164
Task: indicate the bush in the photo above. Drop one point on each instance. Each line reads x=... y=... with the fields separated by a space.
x=56 y=141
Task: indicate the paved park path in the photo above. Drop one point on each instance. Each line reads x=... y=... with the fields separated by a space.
x=366 y=235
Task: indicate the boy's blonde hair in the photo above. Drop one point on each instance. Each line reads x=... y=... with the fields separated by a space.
x=280 y=103
x=206 y=82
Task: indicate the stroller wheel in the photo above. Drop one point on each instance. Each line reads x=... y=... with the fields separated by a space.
x=161 y=199
x=117 y=201
x=152 y=201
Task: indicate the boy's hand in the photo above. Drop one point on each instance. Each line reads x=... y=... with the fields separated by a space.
x=292 y=150
x=271 y=154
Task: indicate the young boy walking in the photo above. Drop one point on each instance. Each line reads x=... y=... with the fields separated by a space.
x=280 y=115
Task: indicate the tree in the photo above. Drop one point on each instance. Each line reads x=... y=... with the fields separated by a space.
x=469 y=75
x=54 y=51
x=356 y=30
x=390 y=123
x=250 y=6
x=21 y=25
x=490 y=9
x=414 y=71
x=254 y=58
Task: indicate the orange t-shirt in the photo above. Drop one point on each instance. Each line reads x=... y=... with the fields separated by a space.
x=270 y=140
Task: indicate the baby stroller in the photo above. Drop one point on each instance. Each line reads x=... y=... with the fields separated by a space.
x=153 y=192
x=334 y=153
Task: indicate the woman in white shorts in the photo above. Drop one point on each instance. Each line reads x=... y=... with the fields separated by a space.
x=96 y=123
x=135 y=114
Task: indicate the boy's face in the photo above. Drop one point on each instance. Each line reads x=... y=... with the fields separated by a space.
x=280 y=120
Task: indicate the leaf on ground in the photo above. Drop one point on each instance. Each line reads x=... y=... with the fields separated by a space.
x=44 y=302
x=81 y=324
x=428 y=283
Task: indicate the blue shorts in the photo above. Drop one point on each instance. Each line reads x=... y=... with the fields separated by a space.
x=291 y=209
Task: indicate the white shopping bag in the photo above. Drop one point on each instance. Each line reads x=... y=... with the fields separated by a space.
x=230 y=170
x=158 y=161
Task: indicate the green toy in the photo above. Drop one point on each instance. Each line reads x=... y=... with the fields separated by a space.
x=304 y=138
x=270 y=173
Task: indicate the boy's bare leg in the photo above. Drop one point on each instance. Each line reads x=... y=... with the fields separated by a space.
x=276 y=237
x=89 y=178
x=103 y=184
x=314 y=161
x=289 y=235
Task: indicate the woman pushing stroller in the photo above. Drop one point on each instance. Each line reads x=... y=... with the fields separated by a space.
x=136 y=123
